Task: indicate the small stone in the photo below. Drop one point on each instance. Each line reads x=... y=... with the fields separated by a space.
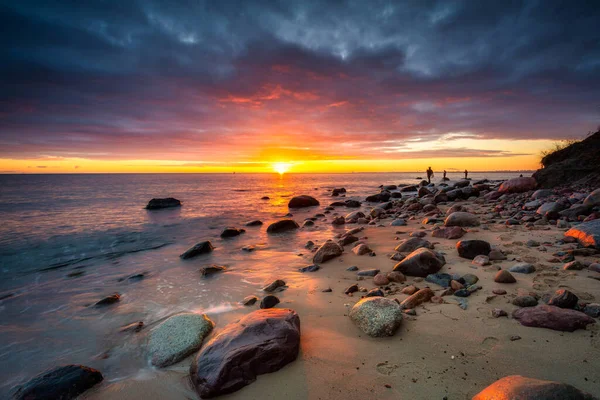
x=496 y=255
x=525 y=301
x=503 y=276
x=108 y=300
x=309 y=268
x=351 y=289
x=499 y=292
x=376 y=292
x=514 y=337
x=396 y=276
x=417 y=298
x=563 y=299
x=276 y=285
x=368 y=272
x=592 y=309
x=522 y=268
x=455 y=285
x=211 y=269
x=498 y=312
x=352 y=268
x=481 y=260
x=249 y=300
x=410 y=290
x=380 y=280
x=269 y=301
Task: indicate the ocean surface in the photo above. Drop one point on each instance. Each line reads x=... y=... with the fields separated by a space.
x=66 y=241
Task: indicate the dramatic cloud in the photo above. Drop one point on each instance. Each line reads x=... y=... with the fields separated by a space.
x=246 y=81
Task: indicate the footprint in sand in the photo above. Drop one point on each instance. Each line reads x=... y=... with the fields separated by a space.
x=386 y=368
x=486 y=346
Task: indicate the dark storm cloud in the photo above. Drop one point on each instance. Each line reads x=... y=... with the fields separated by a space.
x=190 y=79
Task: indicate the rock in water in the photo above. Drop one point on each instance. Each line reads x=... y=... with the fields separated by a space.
x=178 y=337
x=285 y=225
x=327 y=251
x=262 y=342
x=461 y=219
x=410 y=245
x=274 y=286
x=516 y=387
x=421 y=262
x=200 y=248
x=211 y=269
x=108 y=300
x=558 y=319
x=377 y=316
x=518 y=185
x=157 y=204
x=472 y=248
x=303 y=201
x=255 y=222
x=587 y=233
x=66 y=382
x=269 y=301
x=231 y=232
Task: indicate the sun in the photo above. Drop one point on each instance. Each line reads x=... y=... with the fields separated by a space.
x=281 y=168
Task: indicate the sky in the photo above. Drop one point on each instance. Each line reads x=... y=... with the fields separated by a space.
x=316 y=86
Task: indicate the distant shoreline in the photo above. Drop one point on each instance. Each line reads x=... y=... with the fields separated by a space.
x=258 y=173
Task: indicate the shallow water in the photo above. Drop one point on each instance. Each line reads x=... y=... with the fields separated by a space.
x=94 y=228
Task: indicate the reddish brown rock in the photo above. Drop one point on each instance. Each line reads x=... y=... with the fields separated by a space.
x=419 y=297
x=503 y=276
x=517 y=387
x=558 y=319
x=450 y=232
x=396 y=276
x=421 y=262
x=380 y=280
x=410 y=290
x=518 y=185
x=587 y=233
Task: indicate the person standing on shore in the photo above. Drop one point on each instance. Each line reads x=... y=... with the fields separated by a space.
x=429 y=174
x=444 y=175
x=466 y=173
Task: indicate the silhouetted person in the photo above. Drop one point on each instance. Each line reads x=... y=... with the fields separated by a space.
x=444 y=174
x=520 y=176
x=466 y=173
x=429 y=174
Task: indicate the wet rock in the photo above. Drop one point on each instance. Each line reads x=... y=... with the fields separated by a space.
x=573 y=266
x=347 y=239
x=563 y=299
x=338 y=221
x=421 y=262
x=134 y=327
x=453 y=232
x=503 y=276
x=368 y=272
x=276 y=285
x=157 y=204
x=461 y=218
x=352 y=203
x=249 y=248
x=516 y=387
x=269 y=301
x=303 y=201
x=550 y=317
x=525 y=301
x=412 y=244
x=381 y=280
x=200 y=248
x=377 y=316
x=211 y=269
x=522 y=268
x=518 y=185
x=396 y=276
x=255 y=222
x=309 y=268
x=249 y=300
x=231 y=232
x=361 y=249
x=285 y=225
x=65 y=382
x=327 y=251
x=587 y=233
x=263 y=341
x=472 y=248
x=379 y=197
x=417 y=298
x=108 y=300
x=481 y=260
x=177 y=337
x=355 y=215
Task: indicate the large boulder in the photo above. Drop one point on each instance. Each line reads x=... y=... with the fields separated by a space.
x=327 y=251
x=65 y=382
x=262 y=342
x=410 y=245
x=518 y=185
x=516 y=387
x=177 y=337
x=473 y=248
x=303 y=201
x=285 y=225
x=461 y=219
x=421 y=262
x=377 y=316
x=587 y=233
x=157 y=204
x=558 y=319
x=593 y=199
x=198 y=249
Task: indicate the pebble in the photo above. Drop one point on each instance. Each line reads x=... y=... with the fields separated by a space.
x=503 y=276
x=498 y=312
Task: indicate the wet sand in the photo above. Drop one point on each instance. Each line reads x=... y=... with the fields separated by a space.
x=444 y=351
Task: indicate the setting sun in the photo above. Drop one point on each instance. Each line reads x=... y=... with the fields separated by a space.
x=281 y=168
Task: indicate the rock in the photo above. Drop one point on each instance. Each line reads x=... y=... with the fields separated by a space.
x=108 y=300
x=368 y=272
x=397 y=256
x=377 y=316
x=516 y=387
x=550 y=210
x=327 y=251
x=134 y=327
x=303 y=201
x=351 y=289
x=469 y=279
x=276 y=285
x=499 y=291
x=231 y=232
x=265 y=198
x=177 y=337
x=452 y=232
x=380 y=280
x=255 y=222
x=352 y=268
x=347 y=239
x=522 y=268
x=211 y=269
x=503 y=276
x=354 y=215
x=575 y=211
x=472 y=248
x=361 y=249
x=440 y=279
x=410 y=188
x=409 y=290
x=595 y=267
x=541 y=194
x=198 y=249
x=338 y=221
x=556 y=318
x=410 y=245
x=157 y=204
x=263 y=341
x=309 y=268
x=249 y=248
x=481 y=260
x=352 y=203
x=328 y=290
x=338 y=191
x=417 y=298
x=573 y=266
x=455 y=285
x=496 y=255
x=498 y=312
x=249 y=300
x=285 y=225
x=518 y=185
x=65 y=382
x=525 y=301
x=398 y=222
x=396 y=276
x=421 y=262
x=269 y=301
x=563 y=299
x=587 y=233
x=379 y=197
x=461 y=218
x=593 y=199
x=377 y=292
x=592 y=309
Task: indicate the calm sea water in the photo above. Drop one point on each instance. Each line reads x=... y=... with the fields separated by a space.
x=68 y=240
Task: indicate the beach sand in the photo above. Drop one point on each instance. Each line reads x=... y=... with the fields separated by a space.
x=442 y=352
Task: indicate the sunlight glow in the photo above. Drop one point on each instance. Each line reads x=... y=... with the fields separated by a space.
x=281 y=168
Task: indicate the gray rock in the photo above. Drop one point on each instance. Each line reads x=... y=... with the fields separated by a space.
x=327 y=251
x=522 y=268
x=587 y=233
x=377 y=316
x=368 y=272
x=461 y=218
x=200 y=248
x=421 y=262
x=525 y=301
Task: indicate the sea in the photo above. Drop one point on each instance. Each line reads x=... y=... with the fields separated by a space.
x=67 y=241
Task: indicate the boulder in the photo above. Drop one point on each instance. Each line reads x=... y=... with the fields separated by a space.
x=461 y=218
x=472 y=248
x=563 y=299
x=451 y=232
x=177 y=337
x=65 y=382
x=303 y=201
x=593 y=199
x=575 y=211
x=285 y=225
x=157 y=204
x=421 y=262
x=198 y=249
x=587 y=233
x=516 y=387
x=327 y=251
x=556 y=318
x=377 y=316
x=262 y=342
x=275 y=286
x=410 y=245
x=518 y=185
